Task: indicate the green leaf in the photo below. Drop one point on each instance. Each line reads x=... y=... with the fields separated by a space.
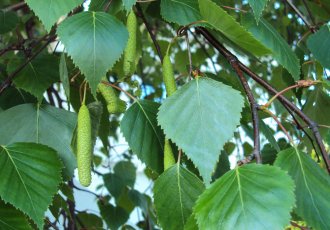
x=175 y=193
x=144 y=136
x=8 y=21
x=89 y=221
x=37 y=76
x=100 y=35
x=257 y=6
x=124 y=175
x=30 y=175
x=41 y=124
x=317 y=107
x=113 y=216
x=212 y=13
x=64 y=76
x=49 y=11
x=200 y=118
x=248 y=197
x=312 y=187
x=182 y=12
x=13 y=96
x=128 y=4
x=269 y=37
x=269 y=134
x=11 y=218
x=319 y=45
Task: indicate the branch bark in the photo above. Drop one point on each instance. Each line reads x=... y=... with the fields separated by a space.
x=288 y=104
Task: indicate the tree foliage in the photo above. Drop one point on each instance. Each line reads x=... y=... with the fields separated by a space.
x=240 y=105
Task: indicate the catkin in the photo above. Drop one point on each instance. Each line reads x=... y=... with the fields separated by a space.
x=169 y=159
x=114 y=103
x=130 y=50
x=168 y=76
x=84 y=146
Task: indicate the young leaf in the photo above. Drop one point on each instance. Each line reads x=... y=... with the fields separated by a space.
x=212 y=13
x=176 y=191
x=182 y=12
x=89 y=38
x=34 y=171
x=128 y=4
x=50 y=11
x=11 y=218
x=248 y=197
x=257 y=6
x=41 y=124
x=319 y=45
x=269 y=37
x=312 y=187
x=144 y=136
x=200 y=117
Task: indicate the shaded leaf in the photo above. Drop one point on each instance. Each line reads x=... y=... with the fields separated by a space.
x=41 y=124
x=144 y=136
x=124 y=175
x=200 y=118
x=8 y=21
x=175 y=193
x=312 y=187
x=244 y=199
x=269 y=37
x=37 y=76
x=90 y=221
x=100 y=34
x=34 y=171
x=49 y=11
x=317 y=107
x=113 y=216
x=13 y=96
x=226 y=24
x=64 y=77
x=319 y=45
x=269 y=134
x=11 y=218
x=182 y=12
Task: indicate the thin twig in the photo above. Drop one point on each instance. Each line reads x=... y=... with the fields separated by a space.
x=15 y=7
x=189 y=54
x=106 y=8
x=153 y=37
x=288 y=104
x=297 y=11
x=205 y=51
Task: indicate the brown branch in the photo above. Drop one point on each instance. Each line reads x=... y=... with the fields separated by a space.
x=153 y=37
x=288 y=104
x=253 y=105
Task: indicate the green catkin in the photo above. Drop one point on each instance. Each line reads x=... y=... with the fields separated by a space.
x=114 y=103
x=168 y=76
x=170 y=86
x=169 y=159
x=84 y=146
x=130 y=50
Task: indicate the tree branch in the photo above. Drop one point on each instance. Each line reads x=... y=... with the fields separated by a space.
x=6 y=83
x=288 y=104
x=153 y=37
